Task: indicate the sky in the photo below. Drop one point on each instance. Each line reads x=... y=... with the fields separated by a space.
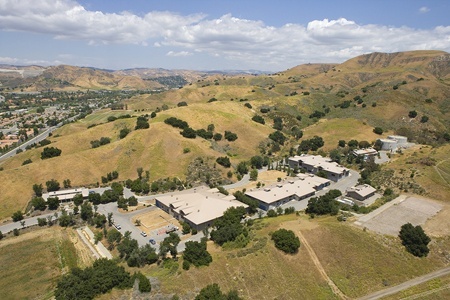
x=215 y=35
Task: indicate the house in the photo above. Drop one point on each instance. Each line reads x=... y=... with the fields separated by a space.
x=315 y=163
x=366 y=154
x=271 y=197
x=198 y=208
x=66 y=195
x=361 y=192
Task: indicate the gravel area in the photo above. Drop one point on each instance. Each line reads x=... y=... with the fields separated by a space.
x=389 y=218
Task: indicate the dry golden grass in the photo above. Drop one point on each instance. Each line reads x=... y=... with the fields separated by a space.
x=265 y=274
x=333 y=130
x=158 y=149
x=32 y=262
x=362 y=262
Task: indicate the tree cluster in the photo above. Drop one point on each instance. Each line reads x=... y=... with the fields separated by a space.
x=277 y=137
x=103 y=141
x=414 y=239
x=213 y=292
x=286 y=240
x=324 y=204
x=252 y=203
x=230 y=136
x=142 y=123
x=224 y=161
x=174 y=122
x=50 y=152
x=196 y=253
x=229 y=226
x=312 y=144
x=103 y=276
x=258 y=119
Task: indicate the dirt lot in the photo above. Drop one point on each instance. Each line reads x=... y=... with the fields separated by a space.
x=156 y=222
x=389 y=218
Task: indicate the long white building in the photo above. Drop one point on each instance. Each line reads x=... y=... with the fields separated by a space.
x=270 y=197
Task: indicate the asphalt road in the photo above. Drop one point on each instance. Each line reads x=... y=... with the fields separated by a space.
x=407 y=284
x=43 y=135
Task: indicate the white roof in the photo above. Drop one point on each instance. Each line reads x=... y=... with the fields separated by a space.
x=199 y=207
x=362 y=190
x=66 y=194
x=365 y=151
x=299 y=188
x=318 y=161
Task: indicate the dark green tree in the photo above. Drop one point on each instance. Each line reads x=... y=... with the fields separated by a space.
x=414 y=239
x=86 y=212
x=141 y=123
x=286 y=240
x=53 y=203
x=37 y=188
x=196 y=253
x=224 y=161
x=39 y=203
x=50 y=152
x=52 y=185
x=17 y=216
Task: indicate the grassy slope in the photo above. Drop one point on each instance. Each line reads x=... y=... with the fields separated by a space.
x=358 y=262
x=361 y=262
x=333 y=130
x=32 y=262
x=158 y=149
x=265 y=274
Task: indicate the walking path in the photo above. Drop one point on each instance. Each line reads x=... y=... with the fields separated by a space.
x=320 y=268
x=88 y=238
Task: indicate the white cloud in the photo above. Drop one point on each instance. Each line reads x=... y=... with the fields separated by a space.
x=181 y=53
x=249 y=43
x=23 y=61
x=424 y=10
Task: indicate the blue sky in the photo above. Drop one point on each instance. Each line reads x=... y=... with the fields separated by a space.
x=207 y=35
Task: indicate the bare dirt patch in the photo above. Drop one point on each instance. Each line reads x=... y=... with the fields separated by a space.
x=412 y=209
x=155 y=220
x=266 y=178
x=439 y=225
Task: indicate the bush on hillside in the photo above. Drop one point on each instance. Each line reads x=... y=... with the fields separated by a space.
x=414 y=239
x=286 y=240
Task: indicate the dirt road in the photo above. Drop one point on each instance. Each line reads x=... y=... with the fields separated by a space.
x=407 y=284
x=319 y=267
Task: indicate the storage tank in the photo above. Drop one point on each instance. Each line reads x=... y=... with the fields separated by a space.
x=388 y=144
x=401 y=140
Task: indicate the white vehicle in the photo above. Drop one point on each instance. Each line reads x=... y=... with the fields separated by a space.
x=118 y=227
x=143 y=234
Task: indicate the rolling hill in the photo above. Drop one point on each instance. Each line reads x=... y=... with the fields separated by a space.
x=370 y=90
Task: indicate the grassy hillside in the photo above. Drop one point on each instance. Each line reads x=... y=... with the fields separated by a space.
x=32 y=263
x=159 y=149
x=358 y=262
x=365 y=83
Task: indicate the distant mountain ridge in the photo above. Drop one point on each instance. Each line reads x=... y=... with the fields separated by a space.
x=362 y=69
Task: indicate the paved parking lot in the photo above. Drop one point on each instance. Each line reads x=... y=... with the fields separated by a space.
x=389 y=218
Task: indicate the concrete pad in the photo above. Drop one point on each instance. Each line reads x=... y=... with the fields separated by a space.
x=389 y=218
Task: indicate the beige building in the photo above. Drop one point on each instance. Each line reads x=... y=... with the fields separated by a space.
x=66 y=195
x=198 y=208
x=361 y=192
x=305 y=186
x=316 y=163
